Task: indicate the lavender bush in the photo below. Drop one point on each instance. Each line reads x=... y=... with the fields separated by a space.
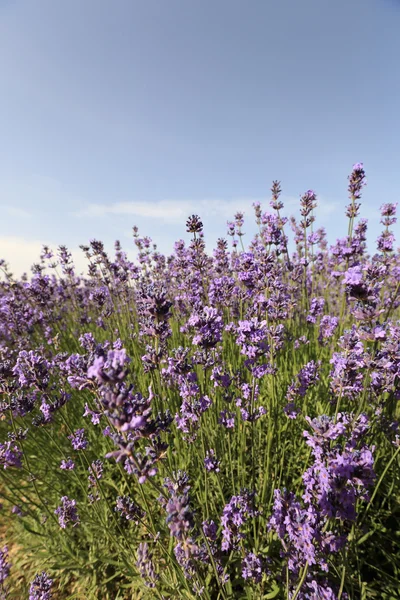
x=220 y=426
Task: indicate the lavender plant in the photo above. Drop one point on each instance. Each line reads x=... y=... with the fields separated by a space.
x=221 y=426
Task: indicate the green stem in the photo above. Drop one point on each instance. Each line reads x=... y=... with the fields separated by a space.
x=302 y=580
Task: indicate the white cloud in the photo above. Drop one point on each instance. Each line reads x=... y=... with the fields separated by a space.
x=169 y=210
x=166 y=210
x=20 y=254
x=176 y=211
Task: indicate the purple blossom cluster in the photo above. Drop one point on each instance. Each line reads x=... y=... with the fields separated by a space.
x=129 y=509
x=234 y=517
x=211 y=462
x=182 y=371
x=316 y=309
x=327 y=328
x=10 y=453
x=339 y=478
x=180 y=518
x=146 y=566
x=307 y=377
x=67 y=464
x=78 y=440
x=4 y=571
x=348 y=366
x=208 y=327
x=340 y=475
x=40 y=588
x=137 y=434
x=253 y=567
x=67 y=513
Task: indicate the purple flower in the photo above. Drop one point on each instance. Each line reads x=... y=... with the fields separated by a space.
x=192 y=407
x=276 y=190
x=296 y=527
x=210 y=530
x=235 y=515
x=356 y=181
x=4 y=568
x=179 y=484
x=327 y=327
x=66 y=263
x=146 y=565
x=110 y=369
x=94 y=415
x=325 y=430
x=78 y=440
x=153 y=311
x=307 y=377
x=190 y=556
x=87 y=342
x=239 y=221
x=379 y=333
x=316 y=309
x=339 y=476
x=291 y=410
x=317 y=591
x=388 y=212
x=272 y=230
x=67 y=512
x=40 y=588
x=252 y=338
x=348 y=365
x=45 y=409
x=220 y=377
x=314 y=238
x=95 y=472
x=211 y=462
x=180 y=518
x=32 y=369
x=10 y=455
x=129 y=509
x=385 y=242
x=194 y=224
x=253 y=567
x=16 y=510
x=257 y=212
x=307 y=202
x=179 y=365
x=353 y=276
x=208 y=326
x=227 y=419
x=231 y=228
x=67 y=465
x=76 y=367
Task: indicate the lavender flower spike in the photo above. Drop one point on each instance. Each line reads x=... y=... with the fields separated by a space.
x=40 y=588
x=4 y=569
x=67 y=513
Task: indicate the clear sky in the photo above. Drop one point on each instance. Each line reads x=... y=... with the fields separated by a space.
x=115 y=113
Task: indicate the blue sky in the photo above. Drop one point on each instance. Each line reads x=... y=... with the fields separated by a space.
x=143 y=112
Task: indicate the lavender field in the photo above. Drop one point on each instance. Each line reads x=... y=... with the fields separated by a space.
x=216 y=426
